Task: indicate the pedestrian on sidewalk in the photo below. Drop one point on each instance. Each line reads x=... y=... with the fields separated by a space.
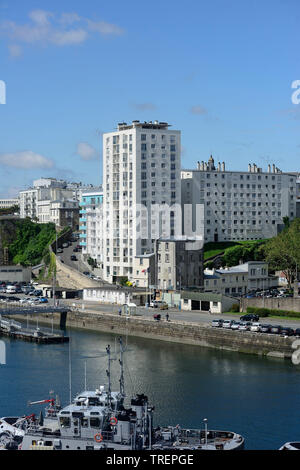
x=120 y=311
x=167 y=317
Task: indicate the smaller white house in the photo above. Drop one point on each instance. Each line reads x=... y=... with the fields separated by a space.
x=107 y=296
x=238 y=280
x=114 y=295
x=206 y=302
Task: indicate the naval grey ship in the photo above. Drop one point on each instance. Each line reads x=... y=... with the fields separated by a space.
x=99 y=420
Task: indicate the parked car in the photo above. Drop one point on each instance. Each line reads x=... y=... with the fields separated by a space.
x=163 y=306
x=276 y=329
x=38 y=293
x=265 y=328
x=60 y=250
x=156 y=303
x=26 y=289
x=157 y=316
x=245 y=326
x=297 y=332
x=73 y=258
x=43 y=300
x=255 y=326
x=235 y=325
x=249 y=317
x=217 y=323
x=65 y=245
x=10 y=290
x=287 y=331
x=25 y=300
x=227 y=323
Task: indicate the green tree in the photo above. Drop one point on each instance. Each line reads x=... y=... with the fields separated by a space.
x=283 y=252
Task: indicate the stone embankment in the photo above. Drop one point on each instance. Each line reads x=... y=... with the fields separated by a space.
x=180 y=332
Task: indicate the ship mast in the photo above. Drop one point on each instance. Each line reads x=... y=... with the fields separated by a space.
x=122 y=387
x=108 y=375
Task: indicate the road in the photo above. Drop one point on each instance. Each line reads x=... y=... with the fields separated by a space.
x=194 y=316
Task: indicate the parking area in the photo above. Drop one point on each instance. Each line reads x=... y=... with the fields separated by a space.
x=278 y=292
x=253 y=324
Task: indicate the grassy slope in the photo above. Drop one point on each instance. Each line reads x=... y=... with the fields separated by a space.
x=213 y=249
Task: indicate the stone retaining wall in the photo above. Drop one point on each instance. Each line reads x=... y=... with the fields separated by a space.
x=288 y=303
x=180 y=332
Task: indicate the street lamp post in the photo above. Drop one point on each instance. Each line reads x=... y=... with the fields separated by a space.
x=205 y=425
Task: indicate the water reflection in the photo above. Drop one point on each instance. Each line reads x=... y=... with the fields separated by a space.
x=255 y=396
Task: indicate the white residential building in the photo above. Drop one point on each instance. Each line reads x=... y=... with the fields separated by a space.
x=9 y=202
x=238 y=280
x=91 y=224
x=52 y=200
x=238 y=205
x=28 y=200
x=141 y=185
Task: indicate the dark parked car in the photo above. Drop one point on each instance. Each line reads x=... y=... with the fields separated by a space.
x=297 y=332
x=286 y=331
x=249 y=317
x=157 y=316
x=73 y=258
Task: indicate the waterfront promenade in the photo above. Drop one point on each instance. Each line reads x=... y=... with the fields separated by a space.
x=179 y=329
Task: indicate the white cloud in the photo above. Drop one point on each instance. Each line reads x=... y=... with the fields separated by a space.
x=104 y=28
x=198 y=110
x=15 y=50
x=40 y=16
x=69 y=18
x=47 y=28
x=66 y=38
x=86 y=151
x=26 y=160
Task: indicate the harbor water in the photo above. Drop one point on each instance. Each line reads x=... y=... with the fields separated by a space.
x=257 y=397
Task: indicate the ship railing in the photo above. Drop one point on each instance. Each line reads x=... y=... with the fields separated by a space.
x=107 y=436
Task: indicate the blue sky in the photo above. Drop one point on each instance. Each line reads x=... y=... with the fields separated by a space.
x=220 y=71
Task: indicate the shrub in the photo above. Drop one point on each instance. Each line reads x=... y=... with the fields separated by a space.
x=265 y=312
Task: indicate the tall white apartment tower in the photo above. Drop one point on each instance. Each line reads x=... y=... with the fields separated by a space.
x=141 y=188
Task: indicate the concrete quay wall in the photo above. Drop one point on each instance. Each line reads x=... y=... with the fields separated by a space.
x=276 y=303
x=179 y=332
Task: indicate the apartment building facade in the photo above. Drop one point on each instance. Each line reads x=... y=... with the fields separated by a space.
x=179 y=264
x=141 y=175
x=238 y=205
x=91 y=224
x=52 y=200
